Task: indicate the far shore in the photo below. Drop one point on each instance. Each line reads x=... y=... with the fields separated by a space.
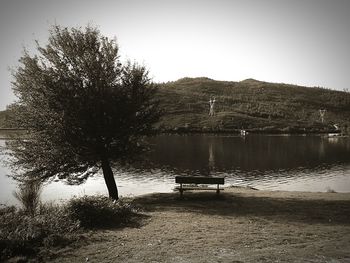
x=183 y=130
x=239 y=225
x=255 y=131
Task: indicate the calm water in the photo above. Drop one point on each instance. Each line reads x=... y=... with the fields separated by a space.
x=298 y=163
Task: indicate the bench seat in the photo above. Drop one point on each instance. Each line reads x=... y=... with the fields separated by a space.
x=192 y=188
x=198 y=180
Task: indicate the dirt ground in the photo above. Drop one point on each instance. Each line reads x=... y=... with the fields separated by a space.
x=240 y=225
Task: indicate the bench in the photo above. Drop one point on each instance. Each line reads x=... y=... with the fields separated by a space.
x=198 y=180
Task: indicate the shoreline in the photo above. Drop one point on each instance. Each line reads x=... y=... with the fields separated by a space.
x=208 y=131
x=249 y=131
x=226 y=189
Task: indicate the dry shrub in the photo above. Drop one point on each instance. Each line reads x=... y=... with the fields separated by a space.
x=23 y=232
x=29 y=195
x=100 y=211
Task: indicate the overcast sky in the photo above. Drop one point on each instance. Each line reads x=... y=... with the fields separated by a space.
x=304 y=42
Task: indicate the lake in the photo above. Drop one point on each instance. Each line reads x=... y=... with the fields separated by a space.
x=276 y=162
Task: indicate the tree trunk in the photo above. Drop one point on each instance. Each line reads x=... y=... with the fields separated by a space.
x=109 y=179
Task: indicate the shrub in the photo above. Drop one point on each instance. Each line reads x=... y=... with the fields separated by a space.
x=29 y=195
x=57 y=225
x=100 y=211
x=22 y=234
x=330 y=190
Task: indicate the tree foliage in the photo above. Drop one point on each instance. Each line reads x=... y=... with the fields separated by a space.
x=81 y=107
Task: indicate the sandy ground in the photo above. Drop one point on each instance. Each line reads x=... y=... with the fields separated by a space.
x=240 y=225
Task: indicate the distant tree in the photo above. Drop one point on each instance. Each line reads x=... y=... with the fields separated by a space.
x=81 y=107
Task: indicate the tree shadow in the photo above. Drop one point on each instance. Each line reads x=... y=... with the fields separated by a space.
x=134 y=220
x=334 y=212
x=86 y=237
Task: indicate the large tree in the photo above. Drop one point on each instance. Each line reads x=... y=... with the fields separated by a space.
x=82 y=109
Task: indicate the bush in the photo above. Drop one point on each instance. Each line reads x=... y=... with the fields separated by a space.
x=29 y=195
x=57 y=225
x=100 y=211
x=22 y=234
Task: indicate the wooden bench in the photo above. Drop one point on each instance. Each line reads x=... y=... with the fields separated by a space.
x=198 y=180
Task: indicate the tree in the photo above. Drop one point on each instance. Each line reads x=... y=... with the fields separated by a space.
x=81 y=107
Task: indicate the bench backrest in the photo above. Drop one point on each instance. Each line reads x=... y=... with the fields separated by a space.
x=199 y=180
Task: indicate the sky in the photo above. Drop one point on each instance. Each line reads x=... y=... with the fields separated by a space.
x=303 y=42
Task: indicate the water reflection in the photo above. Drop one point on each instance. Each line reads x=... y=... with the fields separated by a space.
x=211 y=161
x=303 y=163
x=254 y=153
x=267 y=162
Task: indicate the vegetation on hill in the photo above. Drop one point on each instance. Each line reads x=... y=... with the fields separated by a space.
x=252 y=105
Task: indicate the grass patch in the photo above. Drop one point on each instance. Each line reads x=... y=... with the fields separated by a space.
x=22 y=233
x=25 y=234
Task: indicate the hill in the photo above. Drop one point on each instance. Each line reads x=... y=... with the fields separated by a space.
x=253 y=105
x=249 y=104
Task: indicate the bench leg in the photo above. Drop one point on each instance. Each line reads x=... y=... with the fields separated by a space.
x=218 y=190
x=181 y=190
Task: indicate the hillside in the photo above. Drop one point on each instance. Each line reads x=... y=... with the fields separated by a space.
x=250 y=104
x=253 y=105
